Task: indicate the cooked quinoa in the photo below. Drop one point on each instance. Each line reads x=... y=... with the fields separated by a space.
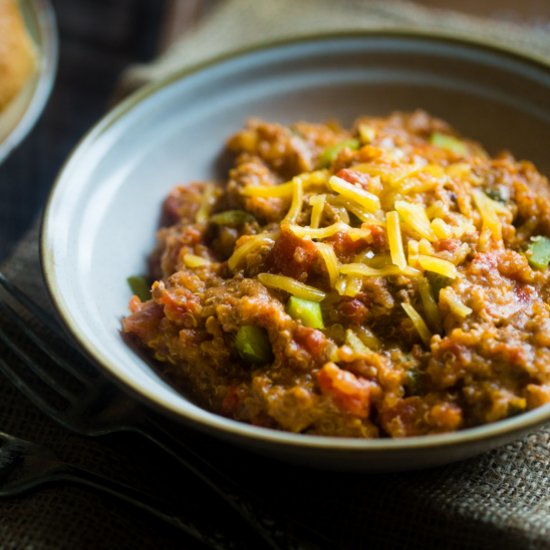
x=388 y=280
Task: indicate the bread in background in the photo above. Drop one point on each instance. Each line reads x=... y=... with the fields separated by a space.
x=17 y=54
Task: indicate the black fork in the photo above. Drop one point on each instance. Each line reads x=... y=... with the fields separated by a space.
x=44 y=365
x=25 y=465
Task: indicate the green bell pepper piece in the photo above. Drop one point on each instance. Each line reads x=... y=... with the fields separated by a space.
x=140 y=287
x=415 y=382
x=232 y=218
x=253 y=345
x=437 y=282
x=538 y=252
x=497 y=195
x=448 y=142
x=326 y=158
x=306 y=311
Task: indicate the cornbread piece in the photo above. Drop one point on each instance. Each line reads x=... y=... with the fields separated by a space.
x=17 y=56
x=385 y=281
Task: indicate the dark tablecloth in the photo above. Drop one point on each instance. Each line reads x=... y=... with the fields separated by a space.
x=98 y=40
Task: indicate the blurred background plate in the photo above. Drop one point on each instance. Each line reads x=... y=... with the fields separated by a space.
x=23 y=112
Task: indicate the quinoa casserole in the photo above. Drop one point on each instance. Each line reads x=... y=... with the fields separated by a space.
x=385 y=281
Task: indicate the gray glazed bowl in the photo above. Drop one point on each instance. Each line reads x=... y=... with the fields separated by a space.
x=18 y=119
x=101 y=218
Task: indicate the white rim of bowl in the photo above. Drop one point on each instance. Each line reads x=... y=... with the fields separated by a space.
x=48 y=44
x=206 y=420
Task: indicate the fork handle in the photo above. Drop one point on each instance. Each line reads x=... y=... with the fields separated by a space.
x=277 y=534
x=205 y=534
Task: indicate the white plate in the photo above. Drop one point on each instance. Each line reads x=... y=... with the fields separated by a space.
x=102 y=215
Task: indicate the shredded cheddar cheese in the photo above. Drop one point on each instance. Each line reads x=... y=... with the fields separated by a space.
x=320 y=233
x=191 y=260
x=363 y=270
x=370 y=202
x=415 y=219
x=353 y=286
x=317 y=203
x=441 y=229
x=331 y=261
x=297 y=200
x=355 y=209
x=368 y=338
x=250 y=245
x=292 y=286
x=438 y=265
x=207 y=201
x=285 y=190
x=418 y=322
x=488 y=211
x=395 y=241
x=429 y=304
x=355 y=343
x=448 y=296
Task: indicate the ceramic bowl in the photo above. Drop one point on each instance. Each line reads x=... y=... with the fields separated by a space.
x=100 y=222
x=19 y=117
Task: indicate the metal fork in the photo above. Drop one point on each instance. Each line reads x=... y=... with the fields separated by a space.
x=61 y=381
x=25 y=465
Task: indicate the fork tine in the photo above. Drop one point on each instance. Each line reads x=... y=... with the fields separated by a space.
x=32 y=365
x=46 y=347
x=27 y=303
x=34 y=396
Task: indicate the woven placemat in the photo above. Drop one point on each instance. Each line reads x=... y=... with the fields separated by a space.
x=500 y=499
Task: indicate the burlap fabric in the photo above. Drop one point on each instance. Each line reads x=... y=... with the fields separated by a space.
x=498 y=500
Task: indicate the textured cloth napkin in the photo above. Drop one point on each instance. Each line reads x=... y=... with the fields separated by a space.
x=238 y=23
x=500 y=499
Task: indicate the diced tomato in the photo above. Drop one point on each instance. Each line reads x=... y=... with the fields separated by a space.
x=526 y=294
x=378 y=236
x=446 y=417
x=230 y=402
x=182 y=204
x=347 y=390
x=353 y=310
x=405 y=418
x=514 y=265
x=170 y=209
x=353 y=176
x=144 y=320
x=135 y=304
x=190 y=236
x=449 y=245
x=180 y=304
x=345 y=247
x=484 y=262
x=293 y=256
x=460 y=351
x=313 y=340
